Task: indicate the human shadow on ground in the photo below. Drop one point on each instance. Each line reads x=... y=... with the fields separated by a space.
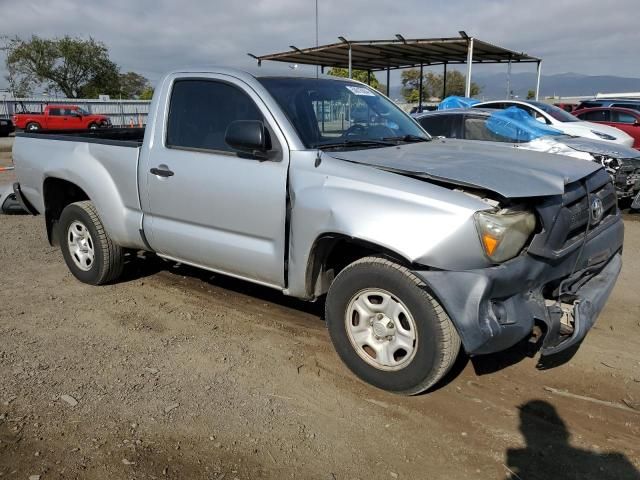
x=549 y=455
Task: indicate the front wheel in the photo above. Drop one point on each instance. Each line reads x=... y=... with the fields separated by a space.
x=32 y=127
x=93 y=126
x=388 y=329
x=91 y=255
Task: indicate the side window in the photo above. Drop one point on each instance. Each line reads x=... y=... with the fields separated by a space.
x=497 y=105
x=595 y=116
x=533 y=113
x=56 y=112
x=201 y=110
x=440 y=125
x=475 y=128
x=622 y=117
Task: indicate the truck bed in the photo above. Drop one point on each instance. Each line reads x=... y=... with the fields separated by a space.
x=121 y=137
x=102 y=164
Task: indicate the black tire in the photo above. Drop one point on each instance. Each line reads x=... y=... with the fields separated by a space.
x=437 y=344
x=93 y=126
x=108 y=257
x=32 y=127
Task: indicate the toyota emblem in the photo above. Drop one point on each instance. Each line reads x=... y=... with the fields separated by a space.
x=596 y=210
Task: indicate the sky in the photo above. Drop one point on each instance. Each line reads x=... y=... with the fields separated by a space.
x=153 y=36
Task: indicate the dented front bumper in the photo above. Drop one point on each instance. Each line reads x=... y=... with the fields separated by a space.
x=494 y=308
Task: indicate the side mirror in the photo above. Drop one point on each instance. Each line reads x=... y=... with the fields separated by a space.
x=248 y=136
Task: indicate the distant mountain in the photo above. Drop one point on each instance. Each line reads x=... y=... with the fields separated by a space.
x=564 y=85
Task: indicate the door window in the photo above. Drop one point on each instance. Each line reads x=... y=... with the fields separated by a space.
x=201 y=110
x=534 y=113
x=55 y=112
x=595 y=116
x=475 y=128
x=497 y=105
x=441 y=125
x=622 y=117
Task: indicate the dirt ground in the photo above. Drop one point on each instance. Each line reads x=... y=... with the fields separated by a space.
x=179 y=373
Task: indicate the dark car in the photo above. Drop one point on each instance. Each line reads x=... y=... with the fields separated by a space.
x=6 y=127
x=626 y=119
x=632 y=103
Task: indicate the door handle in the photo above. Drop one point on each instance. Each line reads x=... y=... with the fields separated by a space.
x=161 y=172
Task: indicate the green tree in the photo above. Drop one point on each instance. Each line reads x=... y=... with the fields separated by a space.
x=411 y=85
x=432 y=85
x=73 y=66
x=147 y=93
x=18 y=86
x=133 y=85
x=360 y=75
x=531 y=94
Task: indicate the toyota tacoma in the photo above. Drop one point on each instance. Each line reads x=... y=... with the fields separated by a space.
x=422 y=247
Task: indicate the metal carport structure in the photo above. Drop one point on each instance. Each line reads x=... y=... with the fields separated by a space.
x=398 y=53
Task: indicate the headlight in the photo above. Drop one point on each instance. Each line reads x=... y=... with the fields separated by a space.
x=503 y=235
x=603 y=136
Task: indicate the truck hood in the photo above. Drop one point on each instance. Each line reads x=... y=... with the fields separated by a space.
x=505 y=171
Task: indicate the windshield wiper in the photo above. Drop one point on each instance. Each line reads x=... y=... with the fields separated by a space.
x=408 y=138
x=357 y=143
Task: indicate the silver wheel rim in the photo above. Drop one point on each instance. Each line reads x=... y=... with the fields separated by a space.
x=93 y=126
x=81 y=246
x=33 y=127
x=381 y=329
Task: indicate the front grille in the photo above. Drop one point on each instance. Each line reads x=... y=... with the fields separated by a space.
x=576 y=210
x=564 y=218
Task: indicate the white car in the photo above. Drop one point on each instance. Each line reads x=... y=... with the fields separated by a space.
x=563 y=121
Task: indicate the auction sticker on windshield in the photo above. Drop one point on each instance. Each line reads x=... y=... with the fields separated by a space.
x=360 y=91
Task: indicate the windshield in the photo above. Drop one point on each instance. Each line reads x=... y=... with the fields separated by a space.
x=82 y=111
x=555 y=112
x=336 y=113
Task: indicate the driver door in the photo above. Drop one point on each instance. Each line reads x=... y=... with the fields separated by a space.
x=204 y=203
x=74 y=118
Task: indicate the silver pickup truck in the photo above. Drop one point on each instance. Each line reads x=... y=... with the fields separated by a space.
x=322 y=186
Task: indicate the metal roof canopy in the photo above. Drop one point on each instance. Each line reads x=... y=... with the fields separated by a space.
x=380 y=55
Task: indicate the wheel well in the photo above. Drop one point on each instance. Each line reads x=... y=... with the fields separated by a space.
x=57 y=194
x=331 y=253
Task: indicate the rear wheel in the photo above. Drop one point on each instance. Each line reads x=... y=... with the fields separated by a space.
x=388 y=329
x=32 y=127
x=89 y=252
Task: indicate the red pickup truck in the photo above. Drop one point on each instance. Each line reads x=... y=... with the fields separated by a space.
x=60 y=117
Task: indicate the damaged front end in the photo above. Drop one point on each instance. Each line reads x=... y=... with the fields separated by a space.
x=625 y=173
x=553 y=291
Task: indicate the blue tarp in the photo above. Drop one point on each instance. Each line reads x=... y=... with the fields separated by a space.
x=516 y=124
x=456 y=102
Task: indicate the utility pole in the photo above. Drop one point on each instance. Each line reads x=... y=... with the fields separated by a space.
x=317 y=34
